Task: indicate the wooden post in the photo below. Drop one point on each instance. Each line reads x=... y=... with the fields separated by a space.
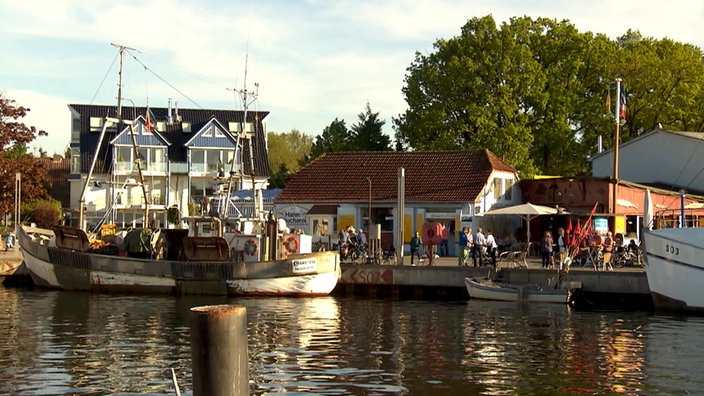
x=219 y=350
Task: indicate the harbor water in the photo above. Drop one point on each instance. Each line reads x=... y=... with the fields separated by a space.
x=55 y=342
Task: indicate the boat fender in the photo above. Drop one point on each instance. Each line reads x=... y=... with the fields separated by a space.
x=291 y=245
x=250 y=247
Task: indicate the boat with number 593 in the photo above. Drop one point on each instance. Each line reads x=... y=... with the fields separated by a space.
x=674 y=264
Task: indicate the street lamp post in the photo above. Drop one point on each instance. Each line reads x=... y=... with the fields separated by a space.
x=369 y=220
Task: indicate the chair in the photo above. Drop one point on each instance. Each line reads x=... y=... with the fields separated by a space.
x=518 y=257
x=504 y=256
x=594 y=258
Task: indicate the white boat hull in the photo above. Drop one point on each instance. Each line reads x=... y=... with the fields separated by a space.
x=314 y=274
x=674 y=263
x=512 y=293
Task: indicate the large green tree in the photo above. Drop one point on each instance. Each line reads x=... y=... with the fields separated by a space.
x=14 y=158
x=533 y=92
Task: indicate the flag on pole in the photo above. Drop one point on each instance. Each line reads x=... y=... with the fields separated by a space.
x=622 y=110
x=149 y=123
x=569 y=232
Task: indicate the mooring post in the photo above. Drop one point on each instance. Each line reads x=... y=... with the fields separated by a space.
x=219 y=350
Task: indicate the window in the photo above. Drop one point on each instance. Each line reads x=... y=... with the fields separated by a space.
x=75 y=160
x=497 y=188
x=229 y=155
x=124 y=158
x=143 y=156
x=214 y=164
x=508 y=183
x=234 y=127
x=157 y=160
x=75 y=129
x=96 y=124
x=186 y=126
x=198 y=160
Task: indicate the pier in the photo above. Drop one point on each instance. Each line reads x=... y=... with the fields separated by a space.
x=621 y=288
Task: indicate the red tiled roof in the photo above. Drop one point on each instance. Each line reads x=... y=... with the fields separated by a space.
x=439 y=176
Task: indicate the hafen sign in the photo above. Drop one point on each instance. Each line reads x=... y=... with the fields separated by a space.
x=295 y=216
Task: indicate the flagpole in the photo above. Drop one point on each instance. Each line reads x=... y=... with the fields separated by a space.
x=617 y=114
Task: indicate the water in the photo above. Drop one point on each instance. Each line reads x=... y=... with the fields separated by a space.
x=55 y=342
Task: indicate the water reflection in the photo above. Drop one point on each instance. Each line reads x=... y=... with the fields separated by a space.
x=59 y=342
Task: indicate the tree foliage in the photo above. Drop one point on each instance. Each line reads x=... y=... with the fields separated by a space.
x=335 y=137
x=44 y=212
x=14 y=158
x=286 y=152
x=365 y=135
x=533 y=91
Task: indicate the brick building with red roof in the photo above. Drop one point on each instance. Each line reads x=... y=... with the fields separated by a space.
x=451 y=187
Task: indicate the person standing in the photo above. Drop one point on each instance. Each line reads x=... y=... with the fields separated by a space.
x=9 y=241
x=546 y=248
x=491 y=247
x=342 y=240
x=463 y=246
x=362 y=238
x=478 y=247
x=561 y=245
x=608 y=248
x=415 y=247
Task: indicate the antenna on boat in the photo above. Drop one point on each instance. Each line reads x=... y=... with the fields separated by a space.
x=248 y=97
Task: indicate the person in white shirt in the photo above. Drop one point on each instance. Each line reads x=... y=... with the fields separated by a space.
x=491 y=246
x=479 y=245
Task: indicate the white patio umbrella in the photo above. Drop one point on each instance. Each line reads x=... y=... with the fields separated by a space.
x=528 y=211
x=647 y=211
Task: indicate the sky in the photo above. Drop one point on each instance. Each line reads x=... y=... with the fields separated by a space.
x=314 y=61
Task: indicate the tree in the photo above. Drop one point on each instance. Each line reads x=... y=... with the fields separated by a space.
x=366 y=135
x=14 y=137
x=335 y=138
x=45 y=212
x=476 y=91
x=533 y=92
x=286 y=152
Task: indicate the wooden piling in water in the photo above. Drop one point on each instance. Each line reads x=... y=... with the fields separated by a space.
x=219 y=350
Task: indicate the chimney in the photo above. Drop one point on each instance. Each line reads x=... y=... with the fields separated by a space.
x=178 y=117
x=168 y=117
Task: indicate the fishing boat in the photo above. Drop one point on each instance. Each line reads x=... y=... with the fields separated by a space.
x=495 y=291
x=674 y=264
x=218 y=253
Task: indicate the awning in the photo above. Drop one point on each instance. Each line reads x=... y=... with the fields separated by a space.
x=323 y=210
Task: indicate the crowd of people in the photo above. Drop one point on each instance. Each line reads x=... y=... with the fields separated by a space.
x=349 y=240
x=602 y=251
x=483 y=249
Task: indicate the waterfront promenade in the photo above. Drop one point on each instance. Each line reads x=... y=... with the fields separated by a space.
x=625 y=287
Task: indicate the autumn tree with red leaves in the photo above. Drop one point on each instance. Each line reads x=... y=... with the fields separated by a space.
x=14 y=138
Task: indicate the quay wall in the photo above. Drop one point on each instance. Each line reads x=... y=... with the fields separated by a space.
x=448 y=281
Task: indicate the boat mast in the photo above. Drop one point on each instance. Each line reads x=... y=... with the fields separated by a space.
x=246 y=100
x=81 y=203
x=137 y=157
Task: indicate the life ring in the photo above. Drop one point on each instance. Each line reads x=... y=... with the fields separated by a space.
x=291 y=245
x=250 y=247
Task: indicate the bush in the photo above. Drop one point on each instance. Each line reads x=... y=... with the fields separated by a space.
x=46 y=213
